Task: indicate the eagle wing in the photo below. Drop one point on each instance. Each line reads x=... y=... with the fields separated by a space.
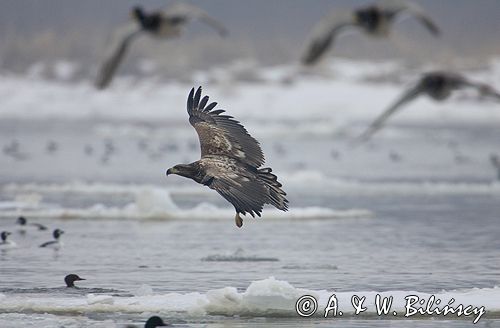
x=221 y=134
x=122 y=39
x=379 y=122
x=399 y=7
x=247 y=195
x=324 y=34
x=192 y=12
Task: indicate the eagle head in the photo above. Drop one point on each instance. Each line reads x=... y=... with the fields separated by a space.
x=185 y=170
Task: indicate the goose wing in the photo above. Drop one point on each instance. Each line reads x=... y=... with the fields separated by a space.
x=323 y=35
x=400 y=7
x=124 y=38
x=187 y=11
x=483 y=89
x=380 y=120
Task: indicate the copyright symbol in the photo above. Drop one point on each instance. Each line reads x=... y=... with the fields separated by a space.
x=306 y=306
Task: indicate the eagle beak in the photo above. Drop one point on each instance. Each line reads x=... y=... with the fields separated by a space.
x=170 y=171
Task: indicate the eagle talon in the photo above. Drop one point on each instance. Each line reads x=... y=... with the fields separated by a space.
x=238 y=220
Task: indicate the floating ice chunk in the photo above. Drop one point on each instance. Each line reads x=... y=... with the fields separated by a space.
x=144 y=290
x=261 y=297
x=99 y=299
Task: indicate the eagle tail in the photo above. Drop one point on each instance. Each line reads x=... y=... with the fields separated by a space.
x=275 y=193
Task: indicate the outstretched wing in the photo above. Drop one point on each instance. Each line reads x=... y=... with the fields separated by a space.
x=246 y=195
x=400 y=7
x=220 y=134
x=324 y=34
x=484 y=90
x=379 y=122
x=114 y=59
x=193 y=12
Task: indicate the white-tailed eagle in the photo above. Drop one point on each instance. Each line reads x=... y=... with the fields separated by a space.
x=230 y=161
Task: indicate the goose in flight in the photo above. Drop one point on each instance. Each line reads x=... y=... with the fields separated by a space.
x=438 y=86
x=230 y=161
x=163 y=24
x=374 y=20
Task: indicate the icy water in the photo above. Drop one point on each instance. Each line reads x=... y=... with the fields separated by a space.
x=416 y=211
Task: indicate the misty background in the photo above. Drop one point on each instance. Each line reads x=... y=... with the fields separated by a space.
x=37 y=35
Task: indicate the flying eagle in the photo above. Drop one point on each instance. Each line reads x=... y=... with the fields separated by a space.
x=230 y=161
x=162 y=24
x=374 y=20
x=437 y=85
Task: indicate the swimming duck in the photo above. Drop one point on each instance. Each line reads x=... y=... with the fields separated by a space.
x=56 y=243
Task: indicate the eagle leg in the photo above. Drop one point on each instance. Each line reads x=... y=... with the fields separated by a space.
x=238 y=220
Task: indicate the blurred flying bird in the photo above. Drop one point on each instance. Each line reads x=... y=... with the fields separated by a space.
x=437 y=85
x=495 y=161
x=335 y=154
x=162 y=24
x=70 y=280
x=51 y=147
x=374 y=20
x=11 y=148
x=142 y=145
x=88 y=150
x=460 y=158
x=394 y=156
x=56 y=244
x=230 y=161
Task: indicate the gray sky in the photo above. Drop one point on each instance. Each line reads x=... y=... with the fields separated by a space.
x=272 y=31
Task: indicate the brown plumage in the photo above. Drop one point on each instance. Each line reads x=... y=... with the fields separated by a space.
x=230 y=161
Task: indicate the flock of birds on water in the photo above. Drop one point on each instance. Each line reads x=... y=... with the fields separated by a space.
x=232 y=160
x=25 y=225
x=56 y=244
